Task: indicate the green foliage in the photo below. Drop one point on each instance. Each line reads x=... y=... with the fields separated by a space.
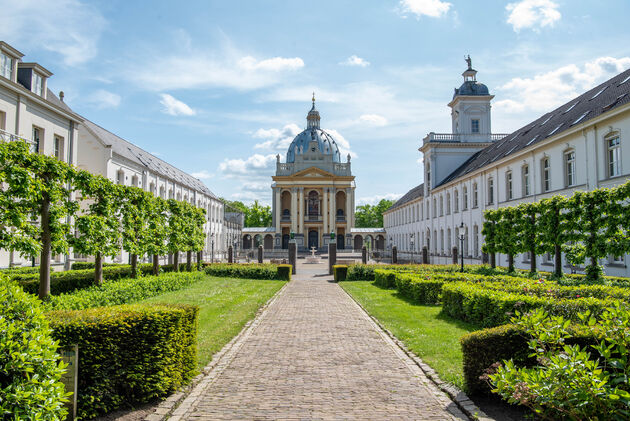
x=340 y=272
x=248 y=271
x=368 y=216
x=128 y=354
x=489 y=231
x=255 y=215
x=123 y=291
x=284 y=272
x=30 y=368
x=569 y=381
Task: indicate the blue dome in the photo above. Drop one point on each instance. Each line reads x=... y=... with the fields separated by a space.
x=326 y=143
x=472 y=88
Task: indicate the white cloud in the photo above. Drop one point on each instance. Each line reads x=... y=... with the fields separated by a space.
x=202 y=175
x=373 y=119
x=373 y=200
x=277 y=139
x=355 y=61
x=174 y=106
x=104 y=99
x=255 y=165
x=198 y=69
x=546 y=91
x=431 y=8
x=534 y=14
x=70 y=28
x=342 y=143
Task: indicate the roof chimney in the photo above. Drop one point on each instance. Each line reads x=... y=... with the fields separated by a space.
x=61 y=95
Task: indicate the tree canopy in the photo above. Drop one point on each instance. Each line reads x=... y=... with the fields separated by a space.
x=371 y=216
x=256 y=215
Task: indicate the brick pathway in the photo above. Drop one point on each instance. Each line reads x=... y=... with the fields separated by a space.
x=315 y=355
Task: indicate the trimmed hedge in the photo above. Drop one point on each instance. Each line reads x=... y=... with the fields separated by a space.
x=247 y=271
x=340 y=272
x=128 y=354
x=20 y=269
x=90 y=265
x=489 y=307
x=71 y=280
x=284 y=272
x=124 y=291
x=482 y=348
x=30 y=368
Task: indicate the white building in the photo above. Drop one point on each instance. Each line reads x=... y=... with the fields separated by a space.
x=582 y=145
x=31 y=112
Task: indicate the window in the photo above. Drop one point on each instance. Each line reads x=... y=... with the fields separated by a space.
x=134 y=181
x=475 y=196
x=546 y=175
x=490 y=191
x=120 y=177
x=428 y=176
x=58 y=148
x=475 y=126
x=465 y=199
x=3 y=120
x=6 y=66
x=434 y=207
x=614 y=155
x=508 y=185
x=456 y=201
x=38 y=85
x=569 y=168
x=37 y=132
x=616 y=260
x=427 y=215
x=448 y=203
x=525 y=174
x=475 y=240
x=441 y=205
x=449 y=242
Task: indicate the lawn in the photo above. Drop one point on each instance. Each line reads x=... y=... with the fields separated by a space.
x=430 y=335
x=225 y=305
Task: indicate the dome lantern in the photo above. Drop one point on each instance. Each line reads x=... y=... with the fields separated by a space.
x=312 y=119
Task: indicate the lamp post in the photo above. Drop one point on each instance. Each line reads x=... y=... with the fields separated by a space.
x=212 y=248
x=411 y=241
x=461 y=242
x=249 y=241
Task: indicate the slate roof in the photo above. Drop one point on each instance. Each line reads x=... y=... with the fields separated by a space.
x=599 y=100
x=367 y=230
x=138 y=155
x=412 y=194
x=52 y=98
x=259 y=229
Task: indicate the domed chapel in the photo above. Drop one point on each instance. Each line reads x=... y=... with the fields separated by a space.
x=313 y=197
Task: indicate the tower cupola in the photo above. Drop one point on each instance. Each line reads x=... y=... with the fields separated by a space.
x=312 y=119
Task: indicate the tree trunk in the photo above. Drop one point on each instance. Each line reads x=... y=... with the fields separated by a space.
x=199 y=259
x=156 y=265
x=493 y=260
x=44 y=264
x=189 y=261
x=98 y=269
x=134 y=265
x=510 y=263
x=557 y=256
x=176 y=262
x=532 y=260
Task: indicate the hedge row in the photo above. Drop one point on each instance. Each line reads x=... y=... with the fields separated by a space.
x=20 y=269
x=123 y=291
x=30 y=370
x=489 y=307
x=249 y=271
x=482 y=348
x=340 y=273
x=128 y=354
x=90 y=265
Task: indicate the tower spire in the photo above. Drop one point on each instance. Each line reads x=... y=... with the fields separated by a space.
x=312 y=119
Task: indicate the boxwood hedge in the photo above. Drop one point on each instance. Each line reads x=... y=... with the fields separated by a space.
x=30 y=368
x=128 y=354
x=248 y=271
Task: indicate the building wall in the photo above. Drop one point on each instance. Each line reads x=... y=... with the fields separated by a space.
x=588 y=143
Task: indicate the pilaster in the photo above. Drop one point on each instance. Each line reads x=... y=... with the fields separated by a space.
x=277 y=209
x=294 y=209
x=301 y=207
x=325 y=209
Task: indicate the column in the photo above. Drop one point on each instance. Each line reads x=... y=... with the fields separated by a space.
x=294 y=208
x=277 y=208
x=301 y=208
x=332 y=210
x=325 y=210
x=349 y=208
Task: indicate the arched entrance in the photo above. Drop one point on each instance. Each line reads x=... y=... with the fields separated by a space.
x=380 y=242
x=268 y=242
x=247 y=241
x=285 y=241
x=313 y=239
x=358 y=242
x=257 y=240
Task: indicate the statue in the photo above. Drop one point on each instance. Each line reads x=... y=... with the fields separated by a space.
x=469 y=62
x=348 y=158
x=278 y=158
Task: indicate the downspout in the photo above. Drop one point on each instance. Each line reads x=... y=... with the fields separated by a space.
x=588 y=183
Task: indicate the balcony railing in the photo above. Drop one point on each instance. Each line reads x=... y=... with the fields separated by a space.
x=464 y=137
x=10 y=137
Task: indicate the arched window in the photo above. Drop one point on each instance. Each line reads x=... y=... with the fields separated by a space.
x=313 y=204
x=490 y=191
x=525 y=181
x=508 y=185
x=546 y=174
x=475 y=198
x=569 y=168
x=456 y=200
x=448 y=203
x=441 y=205
x=476 y=240
x=120 y=177
x=134 y=181
x=613 y=155
x=465 y=198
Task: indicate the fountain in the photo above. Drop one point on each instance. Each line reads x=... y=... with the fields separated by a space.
x=312 y=258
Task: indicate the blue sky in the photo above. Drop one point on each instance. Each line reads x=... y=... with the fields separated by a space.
x=217 y=88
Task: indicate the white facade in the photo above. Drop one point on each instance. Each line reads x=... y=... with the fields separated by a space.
x=586 y=154
x=29 y=111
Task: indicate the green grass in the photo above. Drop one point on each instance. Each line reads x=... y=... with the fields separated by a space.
x=429 y=334
x=225 y=305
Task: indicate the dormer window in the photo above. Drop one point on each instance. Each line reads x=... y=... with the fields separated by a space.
x=38 y=84
x=6 y=66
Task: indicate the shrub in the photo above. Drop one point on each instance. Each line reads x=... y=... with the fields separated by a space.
x=128 y=354
x=30 y=368
x=486 y=306
x=385 y=278
x=71 y=280
x=241 y=270
x=284 y=272
x=20 y=269
x=123 y=291
x=422 y=289
x=90 y=265
x=483 y=348
x=340 y=272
